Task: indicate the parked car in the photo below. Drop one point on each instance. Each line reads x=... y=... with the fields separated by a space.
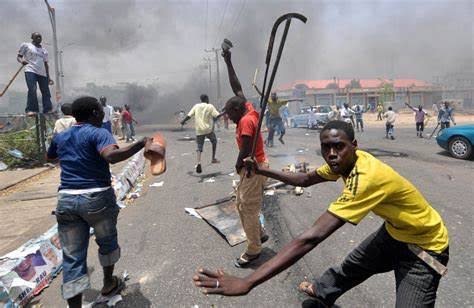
x=458 y=140
x=310 y=117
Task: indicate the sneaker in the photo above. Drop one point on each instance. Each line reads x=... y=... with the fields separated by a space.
x=198 y=168
x=245 y=260
x=391 y=137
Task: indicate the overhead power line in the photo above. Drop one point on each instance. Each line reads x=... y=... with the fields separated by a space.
x=220 y=24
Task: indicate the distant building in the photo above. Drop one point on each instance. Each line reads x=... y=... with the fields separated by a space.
x=365 y=92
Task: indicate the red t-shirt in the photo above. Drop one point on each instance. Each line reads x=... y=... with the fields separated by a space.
x=247 y=126
x=127 y=116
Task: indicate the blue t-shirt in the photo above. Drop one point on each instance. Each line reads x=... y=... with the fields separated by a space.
x=78 y=150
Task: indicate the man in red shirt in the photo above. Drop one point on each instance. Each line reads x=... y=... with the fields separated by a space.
x=250 y=189
x=128 y=120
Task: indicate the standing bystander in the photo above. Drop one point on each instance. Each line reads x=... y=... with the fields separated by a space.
x=359 y=117
x=446 y=115
x=108 y=114
x=66 y=121
x=419 y=119
x=35 y=59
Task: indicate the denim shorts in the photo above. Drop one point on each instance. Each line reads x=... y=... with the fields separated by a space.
x=76 y=214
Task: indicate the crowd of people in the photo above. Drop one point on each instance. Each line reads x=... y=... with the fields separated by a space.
x=413 y=240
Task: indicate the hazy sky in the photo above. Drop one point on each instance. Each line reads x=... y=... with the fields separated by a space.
x=140 y=41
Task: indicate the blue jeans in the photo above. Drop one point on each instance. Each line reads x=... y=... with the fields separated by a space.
x=107 y=126
x=32 y=102
x=276 y=124
x=76 y=214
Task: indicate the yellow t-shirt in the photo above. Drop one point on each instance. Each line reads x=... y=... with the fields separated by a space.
x=274 y=107
x=375 y=186
x=204 y=115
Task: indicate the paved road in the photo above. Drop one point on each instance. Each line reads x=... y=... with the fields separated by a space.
x=162 y=246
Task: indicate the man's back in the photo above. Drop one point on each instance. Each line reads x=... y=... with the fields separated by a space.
x=78 y=150
x=204 y=115
x=391 y=116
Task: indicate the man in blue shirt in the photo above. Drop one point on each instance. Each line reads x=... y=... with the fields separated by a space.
x=86 y=198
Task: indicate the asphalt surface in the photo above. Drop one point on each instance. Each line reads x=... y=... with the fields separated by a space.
x=162 y=246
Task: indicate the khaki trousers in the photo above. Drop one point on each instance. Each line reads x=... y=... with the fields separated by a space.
x=249 y=204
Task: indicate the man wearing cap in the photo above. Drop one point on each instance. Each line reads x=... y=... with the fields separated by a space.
x=35 y=59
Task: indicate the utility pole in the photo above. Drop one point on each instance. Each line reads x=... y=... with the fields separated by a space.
x=209 y=68
x=216 y=52
x=52 y=18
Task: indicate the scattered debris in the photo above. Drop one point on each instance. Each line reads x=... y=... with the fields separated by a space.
x=157 y=184
x=210 y=180
x=3 y=166
x=269 y=192
x=235 y=183
x=133 y=195
x=185 y=154
x=121 y=204
x=231 y=174
x=16 y=153
x=192 y=212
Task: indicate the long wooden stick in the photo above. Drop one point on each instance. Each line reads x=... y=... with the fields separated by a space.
x=11 y=80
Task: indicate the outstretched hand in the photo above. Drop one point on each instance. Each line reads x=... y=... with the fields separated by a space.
x=220 y=283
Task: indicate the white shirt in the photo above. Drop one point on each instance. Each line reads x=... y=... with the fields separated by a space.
x=391 y=116
x=108 y=113
x=346 y=112
x=36 y=56
x=63 y=124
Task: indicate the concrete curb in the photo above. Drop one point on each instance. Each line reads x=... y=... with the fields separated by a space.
x=26 y=271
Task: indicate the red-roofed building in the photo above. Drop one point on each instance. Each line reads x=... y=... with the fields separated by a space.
x=365 y=92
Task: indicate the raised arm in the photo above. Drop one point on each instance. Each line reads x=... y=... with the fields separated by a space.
x=410 y=106
x=221 y=283
x=234 y=81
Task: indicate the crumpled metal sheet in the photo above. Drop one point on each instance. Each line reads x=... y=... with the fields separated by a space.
x=223 y=216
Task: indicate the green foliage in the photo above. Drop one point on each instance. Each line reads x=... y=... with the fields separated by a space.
x=25 y=141
x=386 y=93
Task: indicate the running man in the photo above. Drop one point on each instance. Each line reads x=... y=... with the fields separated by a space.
x=412 y=242
x=86 y=198
x=391 y=116
x=359 y=113
x=204 y=115
x=419 y=119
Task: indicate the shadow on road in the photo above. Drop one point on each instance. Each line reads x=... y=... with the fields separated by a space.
x=132 y=297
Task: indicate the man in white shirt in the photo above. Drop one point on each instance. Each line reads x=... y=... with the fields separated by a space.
x=204 y=115
x=347 y=114
x=66 y=121
x=108 y=114
x=390 y=115
x=35 y=59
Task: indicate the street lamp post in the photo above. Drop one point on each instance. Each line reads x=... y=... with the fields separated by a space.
x=52 y=18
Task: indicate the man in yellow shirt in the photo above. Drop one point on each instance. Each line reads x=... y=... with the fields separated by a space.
x=275 y=120
x=413 y=241
x=204 y=115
